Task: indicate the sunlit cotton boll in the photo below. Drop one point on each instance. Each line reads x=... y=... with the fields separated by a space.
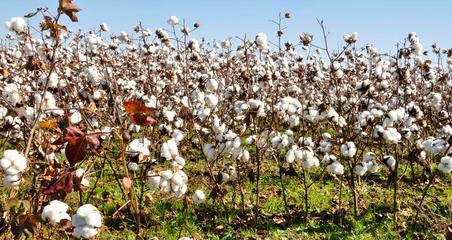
x=17 y=24
x=360 y=169
x=173 y=21
x=199 y=196
x=348 y=149
x=86 y=221
x=335 y=168
x=261 y=41
x=169 y=149
x=55 y=212
x=390 y=161
x=139 y=146
x=13 y=164
x=445 y=165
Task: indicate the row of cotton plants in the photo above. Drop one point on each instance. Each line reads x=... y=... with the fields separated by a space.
x=152 y=102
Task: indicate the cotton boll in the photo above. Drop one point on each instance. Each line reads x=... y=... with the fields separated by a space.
x=245 y=156
x=360 y=169
x=55 y=211
x=211 y=100
x=390 y=161
x=86 y=221
x=17 y=24
x=335 y=168
x=445 y=166
x=104 y=27
x=153 y=180
x=290 y=156
x=261 y=41
x=75 y=117
x=182 y=190
x=348 y=149
x=199 y=197
x=133 y=166
x=139 y=146
x=85 y=232
x=173 y=21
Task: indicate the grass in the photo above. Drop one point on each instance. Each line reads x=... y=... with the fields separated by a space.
x=164 y=217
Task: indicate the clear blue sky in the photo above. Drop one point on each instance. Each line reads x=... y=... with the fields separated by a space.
x=381 y=22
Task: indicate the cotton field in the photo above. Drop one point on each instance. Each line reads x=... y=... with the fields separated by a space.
x=121 y=135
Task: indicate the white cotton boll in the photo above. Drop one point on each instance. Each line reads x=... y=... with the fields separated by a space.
x=153 y=180
x=177 y=179
x=139 y=146
x=245 y=156
x=261 y=41
x=390 y=161
x=177 y=135
x=369 y=156
x=55 y=211
x=5 y=163
x=372 y=167
x=167 y=174
x=182 y=190
x=133 y=166
x=348 y=149
x=290 y=156
x=169 y=115
x=75 y=117
x=211 y=100
x=85 y=232
x=17 y=24
x=360 y=169
x=209 y=151
x=212 y=85
x=173 y=21
x=198 y=197
x=310 y=162
x=391 y=135
x=104 y=27
x=335 y=168
x=10 y=92
x=445 y=166
x=11 y=180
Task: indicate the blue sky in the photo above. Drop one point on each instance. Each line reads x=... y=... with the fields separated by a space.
x=381 y=22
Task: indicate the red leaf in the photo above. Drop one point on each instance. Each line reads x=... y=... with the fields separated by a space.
x=64 y=183
x=69 y=9
x=137 y=106
x=139 y=113
x=141 y=119
x=77 y=144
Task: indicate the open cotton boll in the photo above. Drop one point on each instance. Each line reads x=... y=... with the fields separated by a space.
x=85 y=232
x=17 y=24
x=390 y=161
x=261 y=41
x=335 y=168
x=391 y=135
x=10 y=181
x=55 y=211
x=86 y=221
x=198 y=196
x=445 y=165
x=360 y=169
x=153 y=180
x=139 y=146
x=290 y=155
x=310 y=162
x=133 y=166
x=173 y=21
x=348 y=149
x=169 y=149
x=75 y=117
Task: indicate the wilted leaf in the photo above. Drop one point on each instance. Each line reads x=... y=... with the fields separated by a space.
x=63 y=183
x=137 y=106
x=49 y=124
x=4 y=72
x=25 y=223
x=66 y=225
x=69 y=9
x=77 y=144
x=139 y=113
